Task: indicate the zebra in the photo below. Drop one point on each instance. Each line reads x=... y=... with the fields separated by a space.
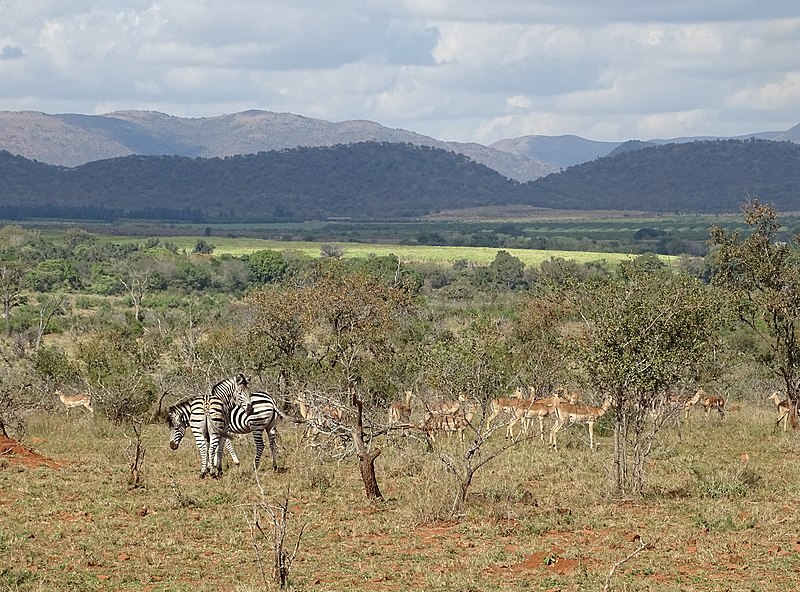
x=218 y=405
x=263 y=419
x=189 y=413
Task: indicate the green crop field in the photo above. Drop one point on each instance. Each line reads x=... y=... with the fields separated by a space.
x=408 y=253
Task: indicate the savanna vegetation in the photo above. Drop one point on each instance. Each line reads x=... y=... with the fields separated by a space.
x=662 y=502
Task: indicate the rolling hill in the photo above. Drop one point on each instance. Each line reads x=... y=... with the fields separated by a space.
x=371 y=181
x=713 y=176
x=565 y=151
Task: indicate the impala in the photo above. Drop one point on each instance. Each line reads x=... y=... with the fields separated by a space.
x=400 y=413
x=319 y=419
x=784 y=408
x=527 y=411
x=691 y=402
x=507 y=405
x=580 y=414
x=708 y=402
x=70 y=401
x=543 y=407
x=450 y=423
x=443 y=407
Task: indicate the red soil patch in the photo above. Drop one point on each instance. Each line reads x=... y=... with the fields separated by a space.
x=546 y=561
x=16 y=453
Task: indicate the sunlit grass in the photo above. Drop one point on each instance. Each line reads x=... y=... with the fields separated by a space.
x=407 y=253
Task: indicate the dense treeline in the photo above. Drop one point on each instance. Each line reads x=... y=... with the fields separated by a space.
x=369 y=181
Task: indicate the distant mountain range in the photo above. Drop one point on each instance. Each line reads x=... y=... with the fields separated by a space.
x=74 y=139
x=565 y=151
x=71 y=140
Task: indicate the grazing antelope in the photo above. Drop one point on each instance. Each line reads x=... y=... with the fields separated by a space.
x=527 y=411
x=691 y=402
x=318 y=419
x=450 y=423
x=582 y=414
x=443 y=407
x=784 y=408
x=400 y=413
x=70 y=401
x=506 y=405
x=544 y=407
x=710 y=402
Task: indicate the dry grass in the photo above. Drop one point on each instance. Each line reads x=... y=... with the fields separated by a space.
x=721 y=514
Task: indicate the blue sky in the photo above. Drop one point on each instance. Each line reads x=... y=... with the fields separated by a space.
x=463 y=70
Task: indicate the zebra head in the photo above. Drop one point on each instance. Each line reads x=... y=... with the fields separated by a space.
x=244 y=394
x=177 y=419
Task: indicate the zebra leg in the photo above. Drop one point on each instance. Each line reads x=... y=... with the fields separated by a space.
x=202 y=448
x=258 y=440
x=273 y=448
x=231 y=450
x=201 y=440
x=215 y=456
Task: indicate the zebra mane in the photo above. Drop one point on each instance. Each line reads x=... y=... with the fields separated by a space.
x=239 y=380
x=187 y=402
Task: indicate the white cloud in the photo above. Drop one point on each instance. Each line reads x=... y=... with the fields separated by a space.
x=457 y=69
x=783 y=93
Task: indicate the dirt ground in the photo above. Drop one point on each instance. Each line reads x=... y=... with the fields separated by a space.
x=15 y=453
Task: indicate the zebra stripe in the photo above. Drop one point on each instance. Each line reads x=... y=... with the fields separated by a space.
x=263 y=419
x=189 y=413
x=218 y=405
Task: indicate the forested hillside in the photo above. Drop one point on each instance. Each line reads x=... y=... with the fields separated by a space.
x=362 y=181
x=704 y=177
x=387 y=181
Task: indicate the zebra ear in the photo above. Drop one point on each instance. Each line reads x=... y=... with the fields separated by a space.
x=240 y=379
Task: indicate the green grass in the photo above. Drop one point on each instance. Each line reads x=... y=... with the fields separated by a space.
x=535 y=520
x=408 y=253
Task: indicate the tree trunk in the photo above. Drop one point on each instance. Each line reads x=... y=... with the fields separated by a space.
x=366 y=458
x=461 y=495
x=620 y=451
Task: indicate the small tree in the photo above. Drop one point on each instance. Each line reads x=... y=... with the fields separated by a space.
x=203 y=247
x=331 y=251
x=352 y=318
x=763 y=276
x=643 y=333
x=11 y=286
x=267 y=265
x=507 y=270
x=476 y=364
x=135 y=274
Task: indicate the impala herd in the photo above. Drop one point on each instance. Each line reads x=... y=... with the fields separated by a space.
x=563 y=406
x=457 y=416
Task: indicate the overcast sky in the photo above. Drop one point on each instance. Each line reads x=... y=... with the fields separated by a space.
x=465 y=70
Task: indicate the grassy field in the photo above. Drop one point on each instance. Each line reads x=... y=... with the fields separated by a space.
x=408 y=253
x=721 y=514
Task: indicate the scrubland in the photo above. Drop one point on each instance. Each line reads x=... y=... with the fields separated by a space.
x=720 y=513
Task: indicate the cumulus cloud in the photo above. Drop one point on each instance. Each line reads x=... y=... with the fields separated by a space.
x=464 y=70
